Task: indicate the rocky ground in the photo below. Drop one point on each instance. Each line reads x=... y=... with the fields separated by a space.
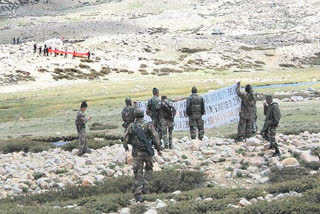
x=163 y=37
x=245 y=164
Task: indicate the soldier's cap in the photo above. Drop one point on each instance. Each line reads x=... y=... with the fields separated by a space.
x=163 y=97
x=155 y=91
x=194 y=90
x=128 y=100
x=268 y=97
x=138 y=113
x=84 y=104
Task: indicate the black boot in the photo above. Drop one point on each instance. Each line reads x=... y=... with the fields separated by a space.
x=277 y=152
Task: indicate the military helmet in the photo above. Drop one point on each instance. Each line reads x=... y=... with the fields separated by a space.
x=248 y=88
x=138 y=113
x=194 y=90
x=128 y=101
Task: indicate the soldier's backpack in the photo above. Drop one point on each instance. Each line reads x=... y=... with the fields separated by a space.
x=168 y=110
x=145 y=144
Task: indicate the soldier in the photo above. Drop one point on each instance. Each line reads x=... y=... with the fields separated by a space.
x=127 y=114
x=273 y=115
x=167 y=114
x=195 y=110
x=45 y=50
x=247 y=113
x=153 y=110
x=40 y=50
x=141 y=135
x=81 y=128
x=14 y=40
x=35 y=48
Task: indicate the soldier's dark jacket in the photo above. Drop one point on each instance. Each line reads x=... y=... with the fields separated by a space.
x=128 y=114
x=153 y=108
x=131 y=138
x=81 y=120
x=195 y=106
x=273 y=114
x=248 y=105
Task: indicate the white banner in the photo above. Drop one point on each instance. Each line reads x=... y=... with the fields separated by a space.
x=222 y=107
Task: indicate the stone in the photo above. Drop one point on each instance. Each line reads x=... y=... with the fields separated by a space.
x=253 y=169
x=244 y=202
x=308 y=157
x=256 y=161
x=208 y=199
x=89 y=162
x=253 y=142
x=195 y=145
x=160 y=204
x=264 y=180
x=120 y=156
x=290 y=162
x=178 y=192
x=151 y=211
x=253 y=200
x=80 y=161
x=125 y=211
x=109 y=172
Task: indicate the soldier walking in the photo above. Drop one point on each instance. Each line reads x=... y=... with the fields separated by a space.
x=40 y=50
x=167 y=114
x=14 y=40
x=81 y=121
x=35 y=48
x=153 y=110
x=248 y=113
x=195 y=110
x=127 y=113
x=273 y=115
x=142 y=136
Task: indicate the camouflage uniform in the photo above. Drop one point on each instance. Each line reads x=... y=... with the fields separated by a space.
x=127 y=116
x=81 y=128
x=271 y=123
x=195 y=110
x=248 y=114
x=153 y=110
x=142 y=161
x=167 y=114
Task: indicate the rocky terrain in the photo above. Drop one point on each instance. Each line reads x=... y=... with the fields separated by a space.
x=164 y=37
x=244 y=164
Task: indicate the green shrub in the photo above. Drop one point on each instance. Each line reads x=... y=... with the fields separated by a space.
x=287 y=173
x=91 y=144
x=138 y=209
x=25 y=146
x=170 y=180
x=299 y=185
x=99 y=126
x=311 y=165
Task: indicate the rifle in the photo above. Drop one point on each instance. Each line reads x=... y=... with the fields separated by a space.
x=145 y=144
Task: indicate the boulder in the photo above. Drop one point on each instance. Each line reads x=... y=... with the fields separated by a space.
x=195 y=145
x=244 y=202
x=120 y=156
x=290 y=162
x=308 y=157
x=125 y=211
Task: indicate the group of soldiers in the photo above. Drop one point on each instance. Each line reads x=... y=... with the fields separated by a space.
x=16 y=41
x=248 y=118
x=45 y=49
x=143 y=136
